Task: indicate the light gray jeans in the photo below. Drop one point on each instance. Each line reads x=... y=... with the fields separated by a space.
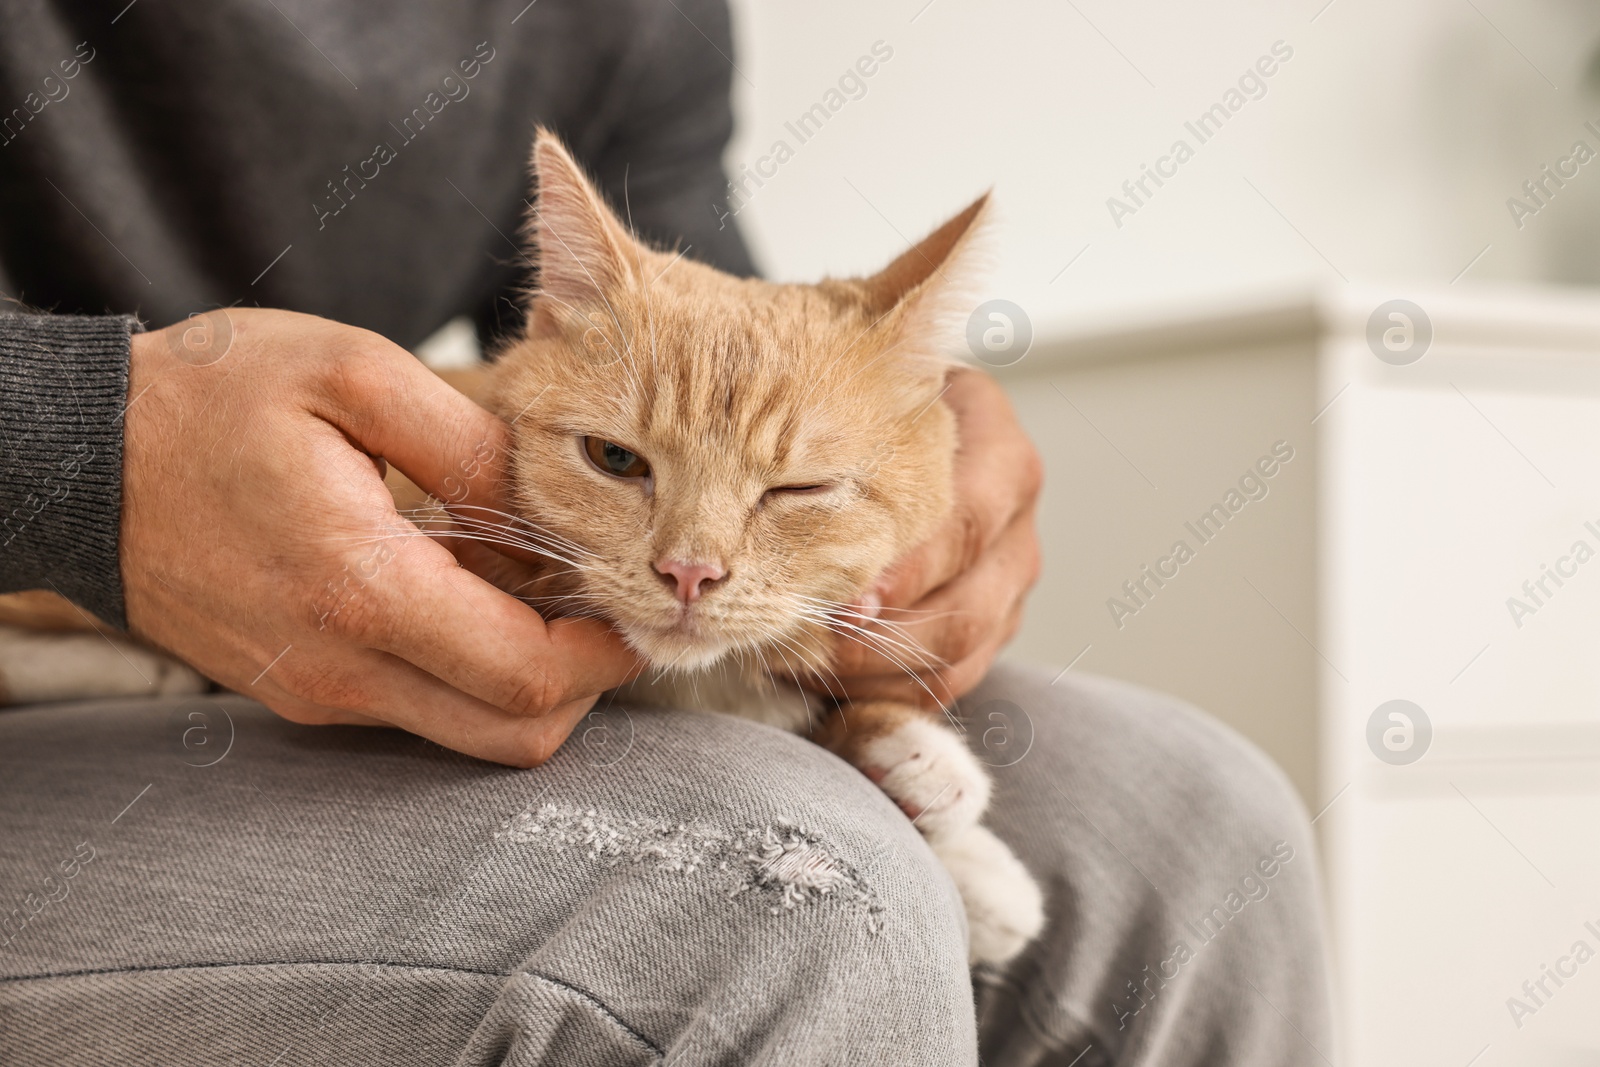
x=200 y=882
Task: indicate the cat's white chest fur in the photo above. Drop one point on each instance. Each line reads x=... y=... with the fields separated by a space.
x=785 y=706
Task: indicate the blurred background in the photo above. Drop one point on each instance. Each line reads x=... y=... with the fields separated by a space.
x=1385 y=148
x=1339 y=157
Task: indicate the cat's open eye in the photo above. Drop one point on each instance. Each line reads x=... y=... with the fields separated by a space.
x=611 y=458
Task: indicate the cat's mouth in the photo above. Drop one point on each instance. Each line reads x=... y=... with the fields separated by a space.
x=690 y=637
x=689 y=643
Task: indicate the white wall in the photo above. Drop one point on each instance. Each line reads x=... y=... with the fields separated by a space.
x=1390 y=141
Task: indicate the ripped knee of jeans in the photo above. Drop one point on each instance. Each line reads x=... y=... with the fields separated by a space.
x=782 y=863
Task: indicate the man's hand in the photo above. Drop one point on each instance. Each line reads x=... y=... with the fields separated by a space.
x=959 y=596
x=260 y=545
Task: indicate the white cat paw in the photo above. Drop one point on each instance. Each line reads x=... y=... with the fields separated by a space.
x=1005 y=908
x=928 y=771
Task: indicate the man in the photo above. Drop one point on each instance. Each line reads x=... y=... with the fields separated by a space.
x=336 y=895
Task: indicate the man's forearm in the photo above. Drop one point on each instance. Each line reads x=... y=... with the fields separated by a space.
x=63 y=392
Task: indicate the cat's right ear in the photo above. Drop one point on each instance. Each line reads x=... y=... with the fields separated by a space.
x=583 y=251
x=921 y=298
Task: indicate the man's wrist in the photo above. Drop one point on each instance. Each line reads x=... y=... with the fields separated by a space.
x=63 y=394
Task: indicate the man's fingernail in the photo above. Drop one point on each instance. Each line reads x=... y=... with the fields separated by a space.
x=870 y=604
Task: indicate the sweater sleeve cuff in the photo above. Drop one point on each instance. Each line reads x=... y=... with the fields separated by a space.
x=63 y=392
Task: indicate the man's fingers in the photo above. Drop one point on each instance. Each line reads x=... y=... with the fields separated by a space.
x=316 y=715
x=997 y=475
x=374 y=688
x=444 y=442
x=957 y=618
x=424 y=609
x=393 y=406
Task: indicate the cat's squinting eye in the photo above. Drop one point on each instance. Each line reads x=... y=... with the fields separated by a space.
x=800 y=490
x=611 y=458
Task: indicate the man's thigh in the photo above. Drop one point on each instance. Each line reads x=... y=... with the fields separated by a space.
x=202 y=882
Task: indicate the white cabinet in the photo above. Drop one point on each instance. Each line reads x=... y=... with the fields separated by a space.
x=1434 y=537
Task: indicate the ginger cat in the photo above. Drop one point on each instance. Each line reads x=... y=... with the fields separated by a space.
x=721 y=468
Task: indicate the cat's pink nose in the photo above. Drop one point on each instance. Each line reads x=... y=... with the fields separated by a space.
x=689 y=577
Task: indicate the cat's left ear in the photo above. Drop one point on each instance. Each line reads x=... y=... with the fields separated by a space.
x=924 y=296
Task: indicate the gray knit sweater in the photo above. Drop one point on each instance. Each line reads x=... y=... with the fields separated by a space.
x=362 y=161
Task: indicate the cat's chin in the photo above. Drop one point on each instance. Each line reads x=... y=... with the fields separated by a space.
x=675 y=649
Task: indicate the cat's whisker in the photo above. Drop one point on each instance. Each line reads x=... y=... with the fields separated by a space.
x=910 y=672
x=813 y=660
x=496 y=536
x=501 y=519
x=810 y=717
x=896 y=636
x=440 y=533
x=518 y=530
x=926 y=615
x=896 y=657
x=883 y=632
x=444 y=534
x=813 y=668
x=874 y=643
x=884 y=647
x=550 y=597
x=538 y=550
x=519 y=523
x=809 y=662
x=580 y=595
x=545 y=604
x=902 y=638
x=902 y=642
x=760 y=665
x=840 y=605
x=748 y=663
x=502 y=542
x=469 y=523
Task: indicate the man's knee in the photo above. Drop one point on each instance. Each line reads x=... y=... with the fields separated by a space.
x=751 y=867
x=1174 y=854
x=1170 y=775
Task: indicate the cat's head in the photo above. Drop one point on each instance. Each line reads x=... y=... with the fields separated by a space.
x=738 y=460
